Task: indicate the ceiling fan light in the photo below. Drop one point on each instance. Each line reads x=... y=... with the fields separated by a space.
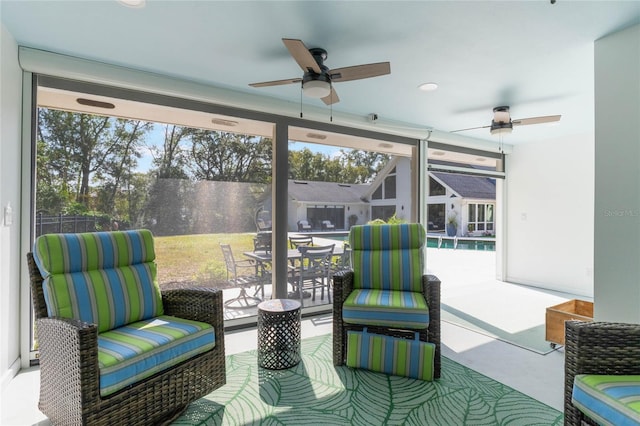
x=316 y=88
x=504 y=128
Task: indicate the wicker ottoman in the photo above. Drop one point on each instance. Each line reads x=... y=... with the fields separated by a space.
x=278 y=334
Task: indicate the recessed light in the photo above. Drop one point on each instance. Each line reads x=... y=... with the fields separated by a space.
x=223 y=122
x=438 y=153
x=133 y=3
x=385 y=145
x=481 y=159
x=428 y=87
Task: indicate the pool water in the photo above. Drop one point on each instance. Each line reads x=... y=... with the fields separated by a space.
x=489 y=245
x=432 y=242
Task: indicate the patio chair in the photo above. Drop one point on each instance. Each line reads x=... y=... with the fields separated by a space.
x=313 y=271
x=262 y=241
x=303 y=240
x=244 y=274
x=92 y=291
x=602 y=373
x=386 y=300
x=304 y=225
x=327 y=225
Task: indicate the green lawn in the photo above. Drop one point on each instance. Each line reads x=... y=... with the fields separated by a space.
x=197 y=257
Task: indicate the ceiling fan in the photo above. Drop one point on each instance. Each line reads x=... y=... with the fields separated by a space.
x=317 y=80
x=502 y=122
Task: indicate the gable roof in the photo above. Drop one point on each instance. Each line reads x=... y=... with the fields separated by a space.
x=326 y=192
x=469 y=186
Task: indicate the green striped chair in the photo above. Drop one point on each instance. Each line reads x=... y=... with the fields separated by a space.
x=386 y=310
x=114 y=349
x=602 y=373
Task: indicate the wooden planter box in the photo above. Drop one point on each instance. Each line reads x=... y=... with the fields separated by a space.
x=580 y=310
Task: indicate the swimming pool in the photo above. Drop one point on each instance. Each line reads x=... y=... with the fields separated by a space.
x=461 y=243
x=336 y=236
x=433 y=241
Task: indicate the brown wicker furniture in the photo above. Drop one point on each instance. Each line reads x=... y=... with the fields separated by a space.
x=279 y=334
x=343 y=285
x=69 y=369
x=597 y=348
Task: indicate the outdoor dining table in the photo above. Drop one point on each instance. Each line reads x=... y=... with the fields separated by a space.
x=263 y=256
x=292 y=254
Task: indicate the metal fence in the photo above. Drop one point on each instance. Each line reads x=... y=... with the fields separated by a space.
x=47 y=224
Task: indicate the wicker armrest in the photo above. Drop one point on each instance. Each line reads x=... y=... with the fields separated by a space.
x=69 y=358
x=342 y=286
x=602 y=347
x=597 y=348
x=431 y=291
x=198 y=304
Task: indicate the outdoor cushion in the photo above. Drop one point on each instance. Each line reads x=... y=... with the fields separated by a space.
x=384 y=308
x=390 y=355
x=138 y=350
x=388 y=257
x=103 y=278
x=608 y=399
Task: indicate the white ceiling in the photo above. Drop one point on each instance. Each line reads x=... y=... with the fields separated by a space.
x=535 y=56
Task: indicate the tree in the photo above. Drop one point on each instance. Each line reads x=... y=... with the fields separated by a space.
x=172 y=160
x=230 y=157
x=87 y=159
x=350 y=166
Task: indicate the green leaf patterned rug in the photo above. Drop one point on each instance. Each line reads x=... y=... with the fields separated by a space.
x=317 y=393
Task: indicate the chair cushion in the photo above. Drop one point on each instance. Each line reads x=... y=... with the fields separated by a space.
x=385 y=308
x=131 y=353
x=103 y=278
x=609 y=400
x=388 y=257
x=390 y=355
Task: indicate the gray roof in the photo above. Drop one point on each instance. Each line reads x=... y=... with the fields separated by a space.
x=469 y=186
x=326 y=192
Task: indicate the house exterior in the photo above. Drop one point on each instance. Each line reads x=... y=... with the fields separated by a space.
x=470 y=199
x=342 y=204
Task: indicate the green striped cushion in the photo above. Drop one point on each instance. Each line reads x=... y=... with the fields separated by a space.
x=104 y=278
x=138 y=350
x=388 y=257
x=396 y=309
x=390 y=355
x=609 y=400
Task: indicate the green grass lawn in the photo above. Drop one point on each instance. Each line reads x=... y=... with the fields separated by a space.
x=198 y=257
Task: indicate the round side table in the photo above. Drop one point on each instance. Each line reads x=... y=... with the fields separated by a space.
x=278 y=333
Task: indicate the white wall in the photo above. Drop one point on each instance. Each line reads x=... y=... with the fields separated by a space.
x=617 y=177
x=10 y=159
x=549 y=214
x=403 y=188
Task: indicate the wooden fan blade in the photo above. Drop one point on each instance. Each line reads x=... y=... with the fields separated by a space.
x=302 y=55
x=276 y=82
x=331 y=98
x=470 y=128
x=360 y=71
x=536 y=120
